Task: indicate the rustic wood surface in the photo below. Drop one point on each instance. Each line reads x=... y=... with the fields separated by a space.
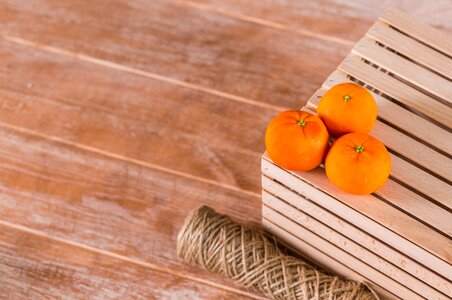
x=119 y=117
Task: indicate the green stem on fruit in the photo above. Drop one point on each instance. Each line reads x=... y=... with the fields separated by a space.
x=347 y=98
x=359 y=148
x=301 y=122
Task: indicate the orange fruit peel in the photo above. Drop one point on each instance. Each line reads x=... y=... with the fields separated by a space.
x=358 y=163
x=347 y=107
x=296 y=140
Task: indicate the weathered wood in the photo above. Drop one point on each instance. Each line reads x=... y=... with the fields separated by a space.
x=167 y=111
x=140 y=119
x=109 y=204
x=179 y=42
x=36 y=267
x=338 y=20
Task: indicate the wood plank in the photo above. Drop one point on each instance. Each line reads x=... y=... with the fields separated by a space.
x=418 y=179
x=411 y=48
x=366 y=262
x=399 y=116
x=375 y=217
x=109 y=204
x=342 y=20
x=430 y=36
x=156 y=123
x=310 y=206
x=319 y=256
x=213 y=52
x=342 y=256
x=408 y=71
x=409 y=97
x=36 y=267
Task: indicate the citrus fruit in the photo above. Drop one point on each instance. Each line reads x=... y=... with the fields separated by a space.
x=358 y=163
x=296 y=140
x=347 y=107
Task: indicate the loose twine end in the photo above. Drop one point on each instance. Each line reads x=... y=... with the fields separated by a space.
x=252 y=260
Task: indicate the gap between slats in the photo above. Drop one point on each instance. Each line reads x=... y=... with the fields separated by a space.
x=124 y=68
x=125 y=258
x=345 y=258
x=127 y=159
x=421 y=181
x=347 y=250
x=412 y=74
x=393 y=114
x=425 y=34
x=373 y=216
x=321 y=257
x=275 y=189
x=411 y=49
x=398 y=92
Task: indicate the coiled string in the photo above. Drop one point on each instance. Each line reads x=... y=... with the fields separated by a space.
x=251 y=259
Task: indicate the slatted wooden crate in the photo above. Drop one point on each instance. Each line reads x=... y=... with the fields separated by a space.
x=399 y=238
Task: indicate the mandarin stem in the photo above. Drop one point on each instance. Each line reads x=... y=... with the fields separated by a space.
x=301 y=122
x=359 y=148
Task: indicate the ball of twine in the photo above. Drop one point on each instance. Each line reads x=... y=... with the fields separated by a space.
x=252 y=259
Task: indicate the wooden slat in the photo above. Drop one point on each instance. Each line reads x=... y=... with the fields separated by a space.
x=420 y=181
x=345 y=20
x=428 y=35
x=109 y=204
x=416 y=75
x=376 y=217
x=411 y=48
x=366 y=262
x=404 y=94
x=329 y=262
x=395 y=114
x=310 y=207
x=339 y=254
x=141 y=119
x=36 y=267
x=411 y=175
x=213 y=52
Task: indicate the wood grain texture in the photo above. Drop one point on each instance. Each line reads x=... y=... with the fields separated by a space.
x=109 y=204
x=146 y=120
x=36 y=267
x=119 y=117
x=393 y=113
x=418 y=30
x=317 y=254
x=183 y=43
x=330 y=249
x=409 y=97
x=339 y=20
x=361 y=237
x=417 y=179
x=375 y=217
x=412 y=49
x=410 y=72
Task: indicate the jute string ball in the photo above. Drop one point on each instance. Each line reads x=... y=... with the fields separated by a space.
x=252 y=259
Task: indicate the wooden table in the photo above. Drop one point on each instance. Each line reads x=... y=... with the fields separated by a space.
x=119 y=117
